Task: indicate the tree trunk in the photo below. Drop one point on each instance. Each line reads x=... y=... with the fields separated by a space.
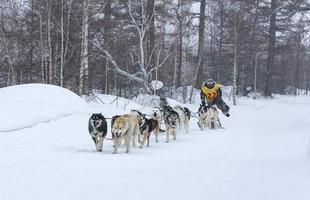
x=50 y=66
x=62 y=45
x=235 y=71
x=298 y=65
x=151 y=57
x=180 y=52
x=67 y=32
x=175 y=70
x=219 y=62
x=107 y=35
x=11 y=72
x=237 y=25
x=307 y=78
x=83 y=78
x=271 y=50
x=199 y=76
x=251 y=61
x=42 y=48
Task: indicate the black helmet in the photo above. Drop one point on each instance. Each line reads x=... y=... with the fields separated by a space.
x=210 y=83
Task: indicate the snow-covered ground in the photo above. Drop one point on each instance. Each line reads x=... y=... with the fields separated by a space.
x=263 y=152
x=27 y=105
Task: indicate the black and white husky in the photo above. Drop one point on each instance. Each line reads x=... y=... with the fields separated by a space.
x=172 y=122
x=208 y=117
x=97 y=127
x=147 y=126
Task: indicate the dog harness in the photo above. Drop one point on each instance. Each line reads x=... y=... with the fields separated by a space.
x=210 y=94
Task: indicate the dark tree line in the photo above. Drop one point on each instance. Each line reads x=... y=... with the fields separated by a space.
x=119 y=47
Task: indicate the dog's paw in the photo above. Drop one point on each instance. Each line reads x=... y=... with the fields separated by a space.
x=140 y=147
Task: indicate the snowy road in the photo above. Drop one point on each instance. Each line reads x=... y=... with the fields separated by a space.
x=263 y=153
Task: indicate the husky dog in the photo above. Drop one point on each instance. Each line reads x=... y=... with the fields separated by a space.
x=208 y=117
x=147 y=126
x=124 y=127
x=184 y=120
x=97 y=127
x=172 y=122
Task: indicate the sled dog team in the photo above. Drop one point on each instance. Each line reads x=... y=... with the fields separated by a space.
x=127 y=128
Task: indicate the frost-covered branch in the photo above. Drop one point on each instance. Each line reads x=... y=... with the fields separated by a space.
x=116 y=67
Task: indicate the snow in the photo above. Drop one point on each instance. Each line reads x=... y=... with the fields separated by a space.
x=26 y=105
x=263 y=152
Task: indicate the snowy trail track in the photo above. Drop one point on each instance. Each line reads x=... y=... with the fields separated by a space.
x=263 y=153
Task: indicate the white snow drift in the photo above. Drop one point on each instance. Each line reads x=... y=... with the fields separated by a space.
x=27 y=105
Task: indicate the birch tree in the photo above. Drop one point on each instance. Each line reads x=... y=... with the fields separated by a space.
x=201 y=45
x=237 y=24
x=49 y=39
x=62 y=45
x=83 y=78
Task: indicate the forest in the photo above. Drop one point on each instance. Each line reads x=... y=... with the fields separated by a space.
x=121 y=46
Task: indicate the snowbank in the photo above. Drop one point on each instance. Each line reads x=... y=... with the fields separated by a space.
x=27 y=105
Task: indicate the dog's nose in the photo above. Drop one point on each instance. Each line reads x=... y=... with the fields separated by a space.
x=117 y=134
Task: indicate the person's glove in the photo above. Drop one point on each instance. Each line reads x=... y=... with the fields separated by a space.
x=203 y=103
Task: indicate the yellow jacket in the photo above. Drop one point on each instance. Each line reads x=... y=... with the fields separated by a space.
x=210 y=94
